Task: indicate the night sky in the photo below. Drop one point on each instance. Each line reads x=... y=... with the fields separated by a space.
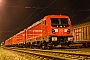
x=15 y=15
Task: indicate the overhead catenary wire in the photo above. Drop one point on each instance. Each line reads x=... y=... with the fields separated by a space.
x=43 y=8
x=67 y=6
x=82 y=10
x=30 y=15
x=38 y=13
x=24 y=20
x=34 y=16
x=61 y=9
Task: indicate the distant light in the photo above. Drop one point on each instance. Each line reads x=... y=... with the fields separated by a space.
x=1 y=44
x=27 y=7
x=0 y=1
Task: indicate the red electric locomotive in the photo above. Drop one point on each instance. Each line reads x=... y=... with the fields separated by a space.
x=52 y=30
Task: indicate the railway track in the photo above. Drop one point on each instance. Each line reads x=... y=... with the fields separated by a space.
x=55 y=54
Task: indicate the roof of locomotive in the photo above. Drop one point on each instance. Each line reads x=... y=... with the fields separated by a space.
x=57 y=15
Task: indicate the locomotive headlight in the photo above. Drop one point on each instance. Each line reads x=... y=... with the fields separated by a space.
x=65 y=30
x=54 y=30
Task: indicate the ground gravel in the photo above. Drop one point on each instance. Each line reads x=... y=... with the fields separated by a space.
x=12 y=55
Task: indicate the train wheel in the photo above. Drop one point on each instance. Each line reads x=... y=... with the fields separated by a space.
x=43 y=47
x=49 y=46
x=88 y=45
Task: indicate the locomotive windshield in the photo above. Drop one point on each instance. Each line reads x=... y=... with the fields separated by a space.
x=59 y=22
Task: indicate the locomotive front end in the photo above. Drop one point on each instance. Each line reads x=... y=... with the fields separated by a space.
x=61 y=30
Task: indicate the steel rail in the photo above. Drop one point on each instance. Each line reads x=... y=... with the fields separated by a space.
x=59 y=54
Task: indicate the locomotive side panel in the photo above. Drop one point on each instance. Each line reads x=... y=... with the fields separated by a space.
x=46 y=26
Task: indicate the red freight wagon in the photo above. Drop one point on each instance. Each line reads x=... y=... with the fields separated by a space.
x=52 y=30
x=14 y=41
x=21 y=37
x=8 y=42
x=34 y=31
